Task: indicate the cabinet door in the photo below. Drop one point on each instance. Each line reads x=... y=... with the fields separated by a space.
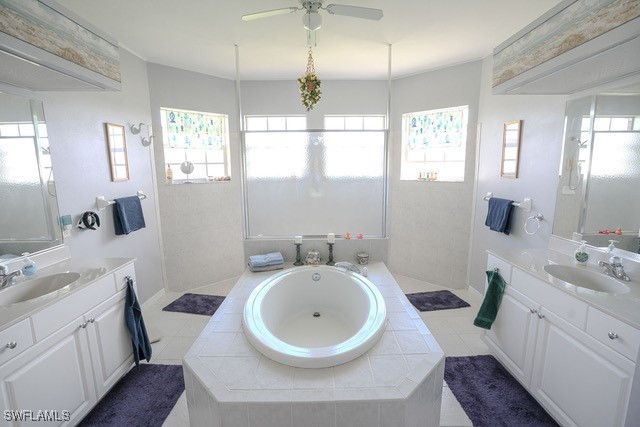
x=53 y=375
x=512 y=335
x=110 y=342
x=577 y=379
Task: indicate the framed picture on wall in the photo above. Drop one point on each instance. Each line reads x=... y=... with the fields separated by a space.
x=117 y=147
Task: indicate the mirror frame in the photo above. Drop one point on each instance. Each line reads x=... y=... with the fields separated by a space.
x=116 y=142
x=511 y=137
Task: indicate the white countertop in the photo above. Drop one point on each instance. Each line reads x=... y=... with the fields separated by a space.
x=625 y=307
x=90 y=269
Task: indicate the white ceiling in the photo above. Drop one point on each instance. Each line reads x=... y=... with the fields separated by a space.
x=199 y=35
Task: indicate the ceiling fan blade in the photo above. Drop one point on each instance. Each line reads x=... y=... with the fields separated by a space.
x=269 y=13
x=355 y=11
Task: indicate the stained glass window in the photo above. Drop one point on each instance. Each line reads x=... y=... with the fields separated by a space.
x=434 y=144
x=195 y=146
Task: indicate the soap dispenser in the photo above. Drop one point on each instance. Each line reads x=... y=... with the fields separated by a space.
x=612 y=246
x=29 y=267
x=581 y=256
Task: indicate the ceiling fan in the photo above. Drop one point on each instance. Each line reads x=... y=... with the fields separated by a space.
x=312 y=19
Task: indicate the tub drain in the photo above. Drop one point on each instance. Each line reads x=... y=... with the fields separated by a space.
x=316 y=314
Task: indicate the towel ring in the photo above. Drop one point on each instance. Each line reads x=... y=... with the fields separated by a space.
x=538 y=217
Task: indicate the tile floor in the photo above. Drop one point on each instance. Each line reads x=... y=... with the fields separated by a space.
x=453 y=329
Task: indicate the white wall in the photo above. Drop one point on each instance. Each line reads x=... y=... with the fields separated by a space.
x=542 y=133
x=201 y=223
x=430 y=221
x=75 y=122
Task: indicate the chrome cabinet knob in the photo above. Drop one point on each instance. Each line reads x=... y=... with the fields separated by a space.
x=533 y=310
x=91 y=320
x=613 y=335
x=83 y=325
x=11 y=345
x=540 y=316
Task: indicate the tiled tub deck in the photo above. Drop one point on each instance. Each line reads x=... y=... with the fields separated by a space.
x=396 y=383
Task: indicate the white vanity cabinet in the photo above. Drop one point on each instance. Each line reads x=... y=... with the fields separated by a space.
x=71 y=368
x=577 y=379
x=542 y=336
x=54 y=374
x=109 y=341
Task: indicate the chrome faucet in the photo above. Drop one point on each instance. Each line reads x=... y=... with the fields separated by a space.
x=614 y=268
x=6 y=279
x=348 y=266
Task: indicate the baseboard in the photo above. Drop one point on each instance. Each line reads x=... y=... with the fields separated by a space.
x=154 y=298
x=475 y=291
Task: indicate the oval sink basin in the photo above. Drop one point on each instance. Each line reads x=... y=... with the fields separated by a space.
x=583 y=278
x=34 y=288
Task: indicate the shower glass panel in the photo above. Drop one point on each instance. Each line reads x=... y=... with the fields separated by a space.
x=614 y=180
x=21 y=217
x=313 y=183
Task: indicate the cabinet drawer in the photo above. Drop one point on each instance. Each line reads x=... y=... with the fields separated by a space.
x=625 y=339
x=54 y=317
x=121 y=275
x=503 y=267
x=562 y=304
x=18 y=334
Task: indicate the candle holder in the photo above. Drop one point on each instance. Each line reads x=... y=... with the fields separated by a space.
x=331 y=261
x=298 y=259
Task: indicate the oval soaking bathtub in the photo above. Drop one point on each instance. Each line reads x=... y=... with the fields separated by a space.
x=314 y=317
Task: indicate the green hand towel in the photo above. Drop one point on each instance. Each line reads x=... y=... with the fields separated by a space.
x=489 y=308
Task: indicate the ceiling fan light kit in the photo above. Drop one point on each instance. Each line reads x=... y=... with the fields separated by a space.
x=312 y=21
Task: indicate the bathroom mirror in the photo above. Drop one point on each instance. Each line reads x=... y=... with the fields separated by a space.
x=511 y=133
x=600 y=172
x=29 y=214
x=117 y=146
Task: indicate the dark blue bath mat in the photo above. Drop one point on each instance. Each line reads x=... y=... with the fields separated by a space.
x=196 y=304
x=436 y=300
x=490 y=396
x=143 y=397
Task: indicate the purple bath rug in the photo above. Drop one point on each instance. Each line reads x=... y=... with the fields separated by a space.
x=490 y=395
x=196 y=304
x=436 y=300
x=143 y=397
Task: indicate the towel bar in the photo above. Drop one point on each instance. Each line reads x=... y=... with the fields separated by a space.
x=525 y=205
x=102 y=203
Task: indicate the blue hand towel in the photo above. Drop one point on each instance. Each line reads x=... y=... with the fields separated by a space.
x=499 y=215
x=127 y=215
x=266 y=260
x=135 y=324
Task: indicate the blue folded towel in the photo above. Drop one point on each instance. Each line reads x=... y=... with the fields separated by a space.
x=266 y=260
x=135 y=324
x=127 y=215
x=499 y=215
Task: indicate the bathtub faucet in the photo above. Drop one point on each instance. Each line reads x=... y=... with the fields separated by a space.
x=348 y=266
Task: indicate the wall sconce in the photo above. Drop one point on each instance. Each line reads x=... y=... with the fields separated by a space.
x=146 y=141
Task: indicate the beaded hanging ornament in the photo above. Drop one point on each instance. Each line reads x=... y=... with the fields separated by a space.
x=310 y=92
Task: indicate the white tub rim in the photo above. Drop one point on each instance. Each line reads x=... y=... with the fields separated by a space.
x=261 y=337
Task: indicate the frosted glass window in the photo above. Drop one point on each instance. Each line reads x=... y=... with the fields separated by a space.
x=434 y=144
x=275 y=123
x=195 y=138
x=615 y=170
x=376 y=122
x=313 y=183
